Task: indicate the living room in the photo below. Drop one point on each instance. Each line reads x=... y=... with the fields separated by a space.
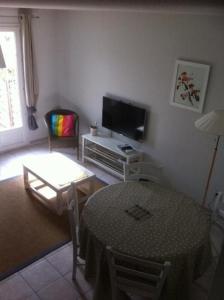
x=83 y=55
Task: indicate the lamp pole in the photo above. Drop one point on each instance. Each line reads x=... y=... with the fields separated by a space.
x=210 y=171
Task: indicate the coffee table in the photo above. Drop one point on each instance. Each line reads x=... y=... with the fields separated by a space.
x=49 y=178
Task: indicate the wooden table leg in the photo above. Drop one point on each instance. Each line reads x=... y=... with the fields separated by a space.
x=59 y=203
x=91 y=186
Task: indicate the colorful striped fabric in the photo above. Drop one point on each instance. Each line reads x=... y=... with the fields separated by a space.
x=62 y=125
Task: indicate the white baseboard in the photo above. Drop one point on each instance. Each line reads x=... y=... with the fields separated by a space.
x=22 y=145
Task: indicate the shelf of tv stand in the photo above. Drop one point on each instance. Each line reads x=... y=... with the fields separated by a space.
x=104 y=152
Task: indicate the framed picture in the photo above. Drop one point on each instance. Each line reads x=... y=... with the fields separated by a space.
x=189 y=85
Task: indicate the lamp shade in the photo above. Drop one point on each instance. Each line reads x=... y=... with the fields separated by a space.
x=2 y=61
x=212 y=122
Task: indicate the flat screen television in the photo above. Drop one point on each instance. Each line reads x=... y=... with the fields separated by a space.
x=124 y=118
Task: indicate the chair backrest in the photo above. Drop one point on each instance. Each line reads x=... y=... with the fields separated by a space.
x=73 y=205
x=63 y=112
x=142 y=171
x=72 y=220
x=136 y=276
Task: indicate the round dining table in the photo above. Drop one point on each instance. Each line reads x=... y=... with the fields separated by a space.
x=149 y=221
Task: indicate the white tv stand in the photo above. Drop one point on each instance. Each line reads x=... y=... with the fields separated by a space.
x=104 y=152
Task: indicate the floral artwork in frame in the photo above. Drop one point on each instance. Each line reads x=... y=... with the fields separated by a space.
x=189 y=85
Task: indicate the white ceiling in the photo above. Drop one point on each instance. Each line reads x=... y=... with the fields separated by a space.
x=197 y=6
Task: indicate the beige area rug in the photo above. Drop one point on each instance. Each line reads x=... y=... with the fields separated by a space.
x=28 y=229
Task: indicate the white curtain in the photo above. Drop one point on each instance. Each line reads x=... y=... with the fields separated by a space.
x=29 y=70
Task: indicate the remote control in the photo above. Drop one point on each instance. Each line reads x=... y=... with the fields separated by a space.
x=125 y=147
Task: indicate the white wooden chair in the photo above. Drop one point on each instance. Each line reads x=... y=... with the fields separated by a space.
x=73 y=204
x=138 y=277
x=76 y=201
x=217 y=206
x=144 y=171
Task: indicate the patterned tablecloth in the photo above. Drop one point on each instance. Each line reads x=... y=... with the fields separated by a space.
x=173 y=227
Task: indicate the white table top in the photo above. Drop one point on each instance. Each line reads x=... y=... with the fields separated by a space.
x=56 y=169
x=110 y=144
x=176 y=224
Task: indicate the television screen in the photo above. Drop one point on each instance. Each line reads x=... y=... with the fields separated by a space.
x=124 y=118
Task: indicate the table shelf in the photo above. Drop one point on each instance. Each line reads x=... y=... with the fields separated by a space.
x=104 y=152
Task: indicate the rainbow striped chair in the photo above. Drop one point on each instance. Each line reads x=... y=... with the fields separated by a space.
x=63 y=129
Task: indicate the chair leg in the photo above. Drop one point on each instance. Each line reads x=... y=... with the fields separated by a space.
x=74 y=224
x=74 y=269
x=74 y=241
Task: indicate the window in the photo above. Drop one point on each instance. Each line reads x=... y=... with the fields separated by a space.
x=10 y=108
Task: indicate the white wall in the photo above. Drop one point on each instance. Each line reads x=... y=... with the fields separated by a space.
x=132 y=55
x=82 y=56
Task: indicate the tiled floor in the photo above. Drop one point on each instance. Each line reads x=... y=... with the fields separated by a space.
x=50 y=277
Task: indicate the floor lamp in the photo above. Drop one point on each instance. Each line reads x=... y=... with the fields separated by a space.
x=212 y=123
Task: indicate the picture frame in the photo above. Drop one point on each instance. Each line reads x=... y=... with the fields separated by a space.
x=189 y=85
